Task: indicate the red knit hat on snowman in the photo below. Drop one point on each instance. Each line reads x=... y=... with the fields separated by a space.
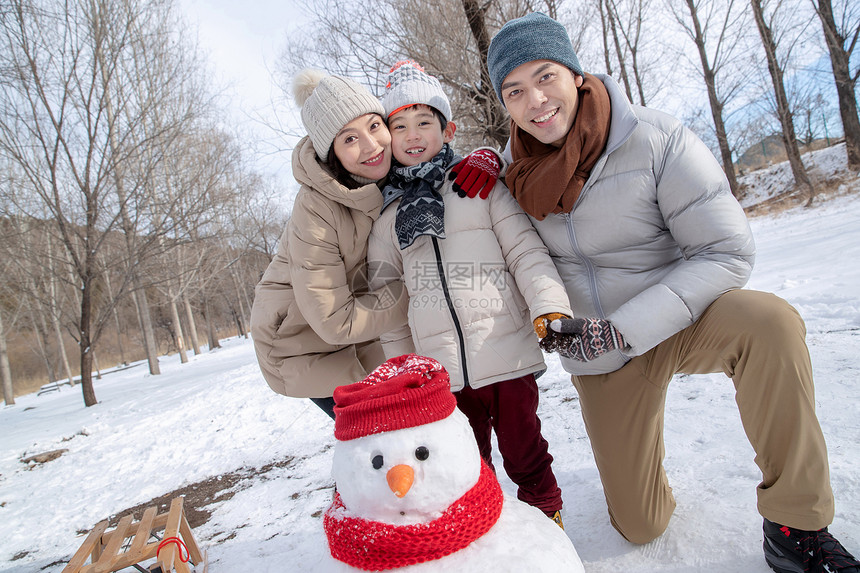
x=404 y=392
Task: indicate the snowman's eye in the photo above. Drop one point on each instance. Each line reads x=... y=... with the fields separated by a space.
x=377 y=461
x=422 y=453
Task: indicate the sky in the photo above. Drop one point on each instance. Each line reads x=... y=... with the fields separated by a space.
x=242 y=41
x=215 y=416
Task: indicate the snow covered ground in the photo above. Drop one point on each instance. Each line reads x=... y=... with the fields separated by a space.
x=150 y=435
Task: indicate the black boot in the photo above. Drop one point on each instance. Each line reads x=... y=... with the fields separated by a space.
x=790 y=550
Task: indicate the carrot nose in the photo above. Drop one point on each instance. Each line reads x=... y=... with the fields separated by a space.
x=400 y=479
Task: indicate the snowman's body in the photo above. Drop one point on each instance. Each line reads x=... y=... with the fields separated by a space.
x=412 y=475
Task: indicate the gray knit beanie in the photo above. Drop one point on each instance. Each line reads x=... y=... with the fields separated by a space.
x=532 y=37
x=328 y=103
x=409 y=84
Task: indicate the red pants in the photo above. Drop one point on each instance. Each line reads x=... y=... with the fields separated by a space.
x=510 y=408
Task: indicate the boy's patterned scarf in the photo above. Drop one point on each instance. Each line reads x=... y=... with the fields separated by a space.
x=421 y=210
x=377 y=546
x=547 y=179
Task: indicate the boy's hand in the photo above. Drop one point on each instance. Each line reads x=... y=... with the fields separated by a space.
x=477 y=174
x=541 y=322
x=582 y=339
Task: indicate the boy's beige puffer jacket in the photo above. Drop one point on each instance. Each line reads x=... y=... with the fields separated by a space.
x=313 y=318
x=475 y=317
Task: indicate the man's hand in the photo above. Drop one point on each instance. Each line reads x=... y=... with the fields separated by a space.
x=582 y=339
x=476 y=174
x=541 y=323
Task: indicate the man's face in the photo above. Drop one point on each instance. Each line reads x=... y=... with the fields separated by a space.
x=541 y=97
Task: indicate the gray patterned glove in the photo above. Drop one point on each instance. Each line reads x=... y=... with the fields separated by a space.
x=582 y=339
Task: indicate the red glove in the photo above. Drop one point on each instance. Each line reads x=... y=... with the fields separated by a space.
x=477 y=174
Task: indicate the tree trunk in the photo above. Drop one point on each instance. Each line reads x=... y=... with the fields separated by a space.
x=715 y=103
x=622 y=66
x=496 y=119
x=42 y=338
x=210 y=324
x=5 y=371
x=98 y=369
x=58 y=333
x=242 y=316
x=783 y=110
x=142 y=303
x=55 y=318
x=86 y=349
x=115 y=318
x=192 y=327
x=177 y=328
x=605 y=33
x=839 y=61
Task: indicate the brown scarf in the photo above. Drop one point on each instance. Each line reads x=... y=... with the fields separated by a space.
x=546 y=179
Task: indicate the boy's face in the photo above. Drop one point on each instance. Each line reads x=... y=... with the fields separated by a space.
x=542 y=97
x=416 y=134
x=363 y=147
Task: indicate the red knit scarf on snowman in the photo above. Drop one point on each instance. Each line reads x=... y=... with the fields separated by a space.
x=377 y=546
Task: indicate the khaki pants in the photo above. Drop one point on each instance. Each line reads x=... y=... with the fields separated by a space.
x=758 y=340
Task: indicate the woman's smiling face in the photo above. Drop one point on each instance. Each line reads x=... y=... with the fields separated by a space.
x=363 y=147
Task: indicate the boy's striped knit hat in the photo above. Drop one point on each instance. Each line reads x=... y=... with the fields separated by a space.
x=403 y=392
x=408 y=85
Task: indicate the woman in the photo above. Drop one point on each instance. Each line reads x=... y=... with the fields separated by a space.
x=315 y=324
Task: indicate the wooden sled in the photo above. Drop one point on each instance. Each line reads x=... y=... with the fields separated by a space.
x=175 y=550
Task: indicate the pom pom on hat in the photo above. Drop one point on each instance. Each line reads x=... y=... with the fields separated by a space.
x=328 y=103
x=532 y=37
x=408 y=85
x=305 y=83
x=403 y=392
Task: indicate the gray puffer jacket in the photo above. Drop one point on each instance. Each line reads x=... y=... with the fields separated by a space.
x=655 y=236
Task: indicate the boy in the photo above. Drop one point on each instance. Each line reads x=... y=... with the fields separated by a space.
x=475 y=272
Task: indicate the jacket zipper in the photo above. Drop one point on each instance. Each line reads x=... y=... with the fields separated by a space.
x=592 y=276
x=440 y=267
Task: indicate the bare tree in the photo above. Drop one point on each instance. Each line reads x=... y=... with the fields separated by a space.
x=724 y=20
x=841 y=39
x=628 y=17
x=74 y=111
x=9 y=310
x=449 y=38
x=608 y=13
x=771 y=45
x=604 y=34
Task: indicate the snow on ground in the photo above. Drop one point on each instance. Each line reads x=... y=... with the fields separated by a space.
x=150 y=435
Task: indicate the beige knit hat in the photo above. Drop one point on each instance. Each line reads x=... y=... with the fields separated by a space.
x=328 y=103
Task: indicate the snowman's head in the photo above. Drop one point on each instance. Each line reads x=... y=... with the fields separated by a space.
x=404 y=451
x=407 y=476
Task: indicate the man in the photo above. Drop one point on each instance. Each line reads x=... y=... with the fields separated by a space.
x=653 y=250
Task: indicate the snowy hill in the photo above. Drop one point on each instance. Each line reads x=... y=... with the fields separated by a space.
x=255 y=466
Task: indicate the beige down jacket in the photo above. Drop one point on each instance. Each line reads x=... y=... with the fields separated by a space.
x=475 y=316
x=314 y=322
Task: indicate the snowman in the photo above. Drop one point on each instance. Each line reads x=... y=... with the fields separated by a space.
x=413 y=493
